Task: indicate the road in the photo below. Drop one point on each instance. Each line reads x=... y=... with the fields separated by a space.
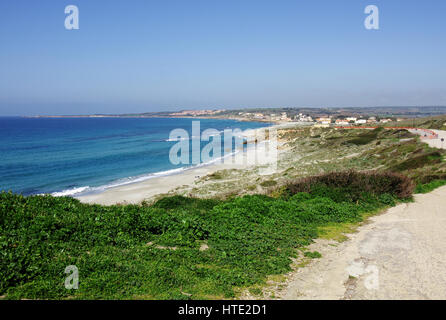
x=436 y=143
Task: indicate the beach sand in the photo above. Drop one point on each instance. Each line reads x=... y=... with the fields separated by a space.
x=137 y=192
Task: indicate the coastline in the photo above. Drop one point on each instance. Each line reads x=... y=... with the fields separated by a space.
x=241 y=119
x=135 y=193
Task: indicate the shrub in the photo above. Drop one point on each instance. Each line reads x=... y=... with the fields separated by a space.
x=268 y=183
x=426 y=178
x=340 y=184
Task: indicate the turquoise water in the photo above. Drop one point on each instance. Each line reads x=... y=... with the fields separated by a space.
x=73 y=156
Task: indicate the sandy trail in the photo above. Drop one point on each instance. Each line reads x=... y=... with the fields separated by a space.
x=398 y=255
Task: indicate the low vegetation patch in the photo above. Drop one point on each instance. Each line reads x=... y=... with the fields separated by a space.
x=312 y=255
x=436 y=122
x=422 y=160
x=216 y=175
x=268 y=183
x=365 y=138
x=351 y=185
x=431 y=186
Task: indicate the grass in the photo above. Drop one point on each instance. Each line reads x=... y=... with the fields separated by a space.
x=268 y=183
x=436 y=122
x=153 y=251
x=431 y=186
x=312 y=255
x=337 y=231
x=216 y=175
x=365 y=138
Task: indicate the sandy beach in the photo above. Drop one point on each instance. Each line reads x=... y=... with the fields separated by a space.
x=135 y=193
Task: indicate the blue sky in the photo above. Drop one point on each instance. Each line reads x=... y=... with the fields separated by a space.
x=142 y=55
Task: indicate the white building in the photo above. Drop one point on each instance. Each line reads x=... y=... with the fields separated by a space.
x=258 y=115
x=324 y=120
x=342 y=122
x=303 y=118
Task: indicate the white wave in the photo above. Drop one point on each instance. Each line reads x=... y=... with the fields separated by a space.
x=169 y=172
x=123 y=182
x=69 y=192
x=130 y=180
x=176 y=139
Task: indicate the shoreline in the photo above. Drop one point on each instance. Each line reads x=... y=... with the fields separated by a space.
x=241 y=119
x=136 y=192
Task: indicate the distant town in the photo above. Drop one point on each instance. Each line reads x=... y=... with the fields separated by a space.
x=319 y=117
x=323 y=121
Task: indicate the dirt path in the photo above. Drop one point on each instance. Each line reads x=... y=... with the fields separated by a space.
x=435 y=143
x=399 y=255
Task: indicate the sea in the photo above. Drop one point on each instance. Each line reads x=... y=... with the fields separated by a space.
x=78 y=156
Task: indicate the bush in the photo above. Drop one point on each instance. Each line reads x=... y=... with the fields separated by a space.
x=430 y=177
x=341 y=184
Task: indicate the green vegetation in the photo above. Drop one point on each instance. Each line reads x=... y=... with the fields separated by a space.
x=431 y=186
x=437 y=122
x=312 y=255
x=216 y=175
x=177 y=248
x=309 y=151
x=412 y=158
x=350 y=185
x=365 y=138
x=268 y=183
x=419 y=161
